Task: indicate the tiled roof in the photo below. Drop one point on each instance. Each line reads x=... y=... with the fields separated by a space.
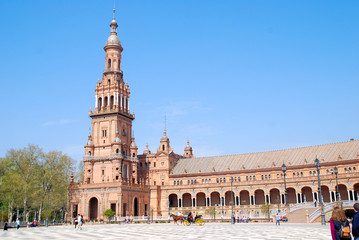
x=291 y=157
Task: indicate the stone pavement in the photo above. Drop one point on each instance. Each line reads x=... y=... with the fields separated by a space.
x=216 y=231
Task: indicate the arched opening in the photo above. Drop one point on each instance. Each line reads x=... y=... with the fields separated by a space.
x=274 y=196
x=93 y=205
x=186 y=198
x=89 y=153
x=292 y=198
x=119 y=64
x=215 y=199
x=325 y=194
x=109 y=63
x=343 y=191
x=356 y=191
x=259 y=197
x=244 y=197
x=228 y=197
x=105 y=102
x=111 y=101
x=173 y=200
x=117 y=151
x=163 y=147
x=99 y=103
x=307 y=194
x=201 y=199
x=135 y=207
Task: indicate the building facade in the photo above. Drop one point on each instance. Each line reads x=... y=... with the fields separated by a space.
x=160 y=183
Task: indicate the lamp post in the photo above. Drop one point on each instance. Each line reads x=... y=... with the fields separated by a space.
x=278 y=202
x=232 y=216
x=317 y=165
x=149 y=195
x=48 y=187
x=169 y=211
x=284 y=169
x=337 y=194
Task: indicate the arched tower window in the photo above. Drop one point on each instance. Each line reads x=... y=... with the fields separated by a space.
x=117 y=150
x=89 y=153
x=163 y=147
x=119 y=64
x=109 y=63
x=99 y=103
x=133 y=155
x=106 y=101
x=111 y=101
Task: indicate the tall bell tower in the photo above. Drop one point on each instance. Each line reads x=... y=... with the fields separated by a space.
x=111 y=121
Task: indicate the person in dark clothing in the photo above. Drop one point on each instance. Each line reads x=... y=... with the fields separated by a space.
x=355 y=222
x=338 y=220
x=5 y=226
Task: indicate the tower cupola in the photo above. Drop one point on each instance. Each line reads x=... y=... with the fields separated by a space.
x=188 y=151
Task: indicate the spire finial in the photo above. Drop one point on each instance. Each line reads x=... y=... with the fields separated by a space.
x=114 y=9
x=165 y=130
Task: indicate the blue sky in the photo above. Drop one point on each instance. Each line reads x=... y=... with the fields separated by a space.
x=232 y=76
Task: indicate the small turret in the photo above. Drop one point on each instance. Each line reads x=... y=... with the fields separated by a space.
x=188 y=151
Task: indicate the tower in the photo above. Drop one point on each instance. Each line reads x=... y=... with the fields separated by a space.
x=188 y=151
x=111 y=121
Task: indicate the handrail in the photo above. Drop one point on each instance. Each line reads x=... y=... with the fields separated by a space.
x=328 y=207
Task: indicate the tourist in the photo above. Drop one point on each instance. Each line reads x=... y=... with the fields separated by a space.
x=79 y=222
x=277 y=219
x=355 y=222
x=76 y=222
x=337 y=221
x=5 y=226
x=17 y=224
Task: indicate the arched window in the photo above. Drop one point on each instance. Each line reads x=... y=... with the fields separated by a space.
x=163 y=147
x=109 y=63
x=89 y=153
x=133 y=154
x=106 y=102
x=119 y=64
x=99 y=103
x=310 y=173
x=117 y=151
x=111 y=101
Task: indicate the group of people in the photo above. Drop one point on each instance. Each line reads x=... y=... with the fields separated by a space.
x=340 y=227
x=243 y=219
x=79 y=221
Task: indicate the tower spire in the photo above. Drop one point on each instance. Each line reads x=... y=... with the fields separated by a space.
x=114 y=10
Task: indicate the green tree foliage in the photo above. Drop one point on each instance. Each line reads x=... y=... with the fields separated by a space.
x=24 y=177
x=109 y=214
x=265 y=209
x=212 y=212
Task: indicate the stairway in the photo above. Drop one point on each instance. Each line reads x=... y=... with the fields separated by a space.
x=299 y=216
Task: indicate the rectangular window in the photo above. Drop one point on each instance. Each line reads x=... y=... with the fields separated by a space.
x=154 y=183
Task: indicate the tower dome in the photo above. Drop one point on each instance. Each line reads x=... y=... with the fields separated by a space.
x=113 y=38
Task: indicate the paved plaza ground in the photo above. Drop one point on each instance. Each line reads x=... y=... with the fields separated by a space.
x=171 y=231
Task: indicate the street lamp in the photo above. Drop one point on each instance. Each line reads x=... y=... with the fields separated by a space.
x=284 y=169
x=149 y=194
x=48 y=187
x=317 y=165
x=337 y=194
x=232 y=216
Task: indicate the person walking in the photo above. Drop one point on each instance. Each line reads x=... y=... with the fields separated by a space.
x=337 y=222
x=17 y=224
x=355 y=222
x=277 y=219
x=79 y=222
x=5 y=226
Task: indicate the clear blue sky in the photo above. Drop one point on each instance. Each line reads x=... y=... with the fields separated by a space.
x=232 y=76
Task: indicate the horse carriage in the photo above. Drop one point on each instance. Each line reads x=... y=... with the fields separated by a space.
x=198 y=220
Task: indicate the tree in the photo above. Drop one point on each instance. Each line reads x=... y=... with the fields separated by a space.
x=212 y=212
x=109 y=214
x=265 y=209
